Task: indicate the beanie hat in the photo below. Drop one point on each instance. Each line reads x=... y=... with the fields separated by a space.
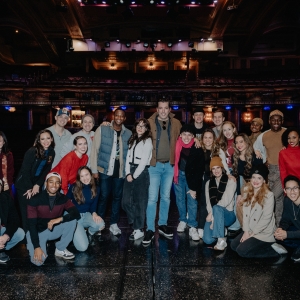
x=188 y=128
x=276 y=112
x=261 y=170
x=259 y=121
x=53 y=174
x=215 y=162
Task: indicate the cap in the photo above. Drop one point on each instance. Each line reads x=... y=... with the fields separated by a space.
x=259 y=121
x=276 y=112
x=63 y=111
x=53 y=174
x=198 y=109
x=261 y=170
x=215 y=162
x=188 y=128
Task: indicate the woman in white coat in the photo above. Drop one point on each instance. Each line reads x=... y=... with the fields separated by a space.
x=257 y=239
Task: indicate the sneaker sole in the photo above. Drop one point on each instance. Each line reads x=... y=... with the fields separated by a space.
x=147 y=242
x=181 y=230
x=165 y=234
x=65 y=257
x=295 y=259
x=195 y=239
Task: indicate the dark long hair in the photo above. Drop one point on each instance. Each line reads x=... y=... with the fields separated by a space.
x=4 y=149
x=40 y=151
x=284 y=137
x=77 y=188
x=134 y=137
x=215 y=148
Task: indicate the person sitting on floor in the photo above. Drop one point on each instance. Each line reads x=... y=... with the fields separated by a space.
x=84 y=195
x=10 y=233
x=46 y=221
x=219 y=190
x=288 y=232
x=257 y=238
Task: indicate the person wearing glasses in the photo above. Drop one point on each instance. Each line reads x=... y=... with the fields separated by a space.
x=289 y=163
x=136 y=184
x=165 y=131
x=288 y=232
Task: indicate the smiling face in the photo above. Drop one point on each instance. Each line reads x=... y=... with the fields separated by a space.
x=53 y=185
x=276 y=123
x=85 y=176
x=62 y=120
x=119 y=117
x=208 y=140
x=257 y=181
x=198 y=117
x=240 y=144
x=87 y=124
x=293 y=139
x=228 y=131
x=186 y=137
x=255 y=127
x=140 y=128
x=218 y=118
x=217 y=171
x=81 y=146
x=163 y=110
x=45 y=140
x=292 y=190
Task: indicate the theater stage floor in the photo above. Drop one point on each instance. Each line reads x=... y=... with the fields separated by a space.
x=117 y=268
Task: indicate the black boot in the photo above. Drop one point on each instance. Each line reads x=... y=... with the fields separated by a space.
x=91 y=239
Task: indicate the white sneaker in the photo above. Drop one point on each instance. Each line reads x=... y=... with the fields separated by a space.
x=221 y=244
x=114 y=229
x=193 y=233
x=200 y=232
x=181 y=226
x=279 y=248
x=64 y=254
x=138 y=234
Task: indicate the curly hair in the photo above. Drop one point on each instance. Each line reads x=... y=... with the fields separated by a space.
x=284 y=137
x=248 y=156
x=258 y=198
x=146 y=135
x=215 y=148
x=222 y=138
x=78 y=185
x=39 y=149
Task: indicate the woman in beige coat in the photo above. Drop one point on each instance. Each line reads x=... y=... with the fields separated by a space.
x=257 y=238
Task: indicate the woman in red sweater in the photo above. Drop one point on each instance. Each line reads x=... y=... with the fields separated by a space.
x=289 y=162
x=70 y=163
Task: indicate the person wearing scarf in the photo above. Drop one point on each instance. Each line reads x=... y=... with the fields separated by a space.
x=188 y=173
x=219 y=192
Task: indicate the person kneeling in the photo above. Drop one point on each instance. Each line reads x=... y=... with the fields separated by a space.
x=10 y=233
x=257 y=238
x=84 y=195
x=46 y=221
x=219 y=192
x=288 y=232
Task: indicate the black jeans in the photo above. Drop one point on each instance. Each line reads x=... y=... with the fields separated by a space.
x=253 y=247
x=135 y=198
x=202 y=211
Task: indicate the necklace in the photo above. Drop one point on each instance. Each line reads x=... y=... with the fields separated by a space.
x=295 y=215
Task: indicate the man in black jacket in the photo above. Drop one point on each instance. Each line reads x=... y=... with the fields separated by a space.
x=10 y=233
x=46 y=221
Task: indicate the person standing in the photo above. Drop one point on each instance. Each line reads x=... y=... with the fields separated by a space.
x=255 y=127
x=198 y=124
x=60 y=134
x=267 y=146
x=108 y=157
x=218 y=119
x=165 y=131
x=136 y=184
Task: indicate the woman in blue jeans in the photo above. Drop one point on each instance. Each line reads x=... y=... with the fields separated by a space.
x=219 y=191
x=84 y=194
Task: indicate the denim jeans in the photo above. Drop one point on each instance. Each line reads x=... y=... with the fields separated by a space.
x=161 y=177
x=108 y=184
x=64 y=231
x=222 y=218
x=15 y=239
x=80 y=239
x=185 y=202
x=135 y=198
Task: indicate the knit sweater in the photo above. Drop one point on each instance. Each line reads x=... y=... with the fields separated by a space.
x=68 y=167
x=289 y=162
x=90 y=204
x=39 y=213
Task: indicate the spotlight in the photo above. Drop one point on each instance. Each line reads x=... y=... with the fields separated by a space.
x=151 y=1
x=289 y=107
x=228 y=107
x=128 y=45
x=191 y=44
x=170 y=45
x=123 y=107
x=179 y=40
x=267 y=107
x=107 y=44
x=146 y=45
x=175 y=107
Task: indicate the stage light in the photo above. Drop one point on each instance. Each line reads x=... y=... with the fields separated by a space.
x=267 y=107
x=289 y=107
x=179 y=40
x=170 y=45
x=175 y=107
x=107 y=44
x=228 y=107
x=191 y=44
x=128 y=45
x=123 y=107
x=146 y=44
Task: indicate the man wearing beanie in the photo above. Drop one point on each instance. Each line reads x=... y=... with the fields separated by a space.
x=255 y=127
x=198 y=124
x=267 y=146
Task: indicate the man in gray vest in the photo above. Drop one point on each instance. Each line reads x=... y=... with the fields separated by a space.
x=108 y=156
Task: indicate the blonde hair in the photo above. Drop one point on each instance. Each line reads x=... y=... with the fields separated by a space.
x=222 y=138
x=258 y=198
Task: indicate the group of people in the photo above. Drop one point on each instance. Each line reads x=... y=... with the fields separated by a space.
x=227 y=184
